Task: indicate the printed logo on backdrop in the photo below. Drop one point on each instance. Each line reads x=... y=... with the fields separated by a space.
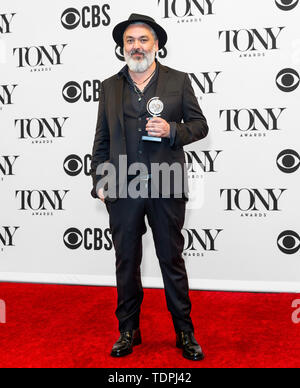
x=252 y=123
x=289 y=242
x=6 y=95
x=7 y=236
x=288 y=161
x=288 y=80
x=89 y=239
x=286 y=5
x=204 y=83
x=6 y=23
x=252 y=203
x=186 y=11
x=39 y=58
x=42 y=202
x=7 y=166
x=251 y=43
x=87 y=91
x=74 y=165
x=204 y=161
x=41 y=130
x=198 y=242
x=199 y=164
x=87 y=17
x=119 y=51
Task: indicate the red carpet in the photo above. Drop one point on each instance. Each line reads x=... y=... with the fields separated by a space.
x=67 y=326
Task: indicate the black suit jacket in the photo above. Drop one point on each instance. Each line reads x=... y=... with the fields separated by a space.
x=180 y=106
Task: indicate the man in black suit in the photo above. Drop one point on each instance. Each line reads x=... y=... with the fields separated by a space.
x=127 y=134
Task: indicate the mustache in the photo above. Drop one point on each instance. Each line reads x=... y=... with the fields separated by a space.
x=133 y=52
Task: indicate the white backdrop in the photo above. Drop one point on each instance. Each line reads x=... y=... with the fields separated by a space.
x=242 y=229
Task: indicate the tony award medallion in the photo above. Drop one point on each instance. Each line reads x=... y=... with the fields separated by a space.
x=154 y=107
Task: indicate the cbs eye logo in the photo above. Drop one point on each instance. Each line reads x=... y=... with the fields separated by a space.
x=74 y=165
x=88 y=17
x=89 y=91
x=288 y=161
x=286 y=5
x=288 y=80
x=73 y=238
x=72 y=92
x=289 y=242
x=119 y=51
x=90 y=239
x=71 y=18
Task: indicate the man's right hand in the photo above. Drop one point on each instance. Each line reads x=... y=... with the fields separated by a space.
x=100 y=194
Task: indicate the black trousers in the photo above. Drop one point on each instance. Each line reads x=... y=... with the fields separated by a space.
x=166 y=218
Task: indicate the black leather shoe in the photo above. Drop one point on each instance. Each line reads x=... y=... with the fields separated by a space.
x=191 y=349
x=126 y=342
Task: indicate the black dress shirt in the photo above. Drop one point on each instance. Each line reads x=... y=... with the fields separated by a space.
x=135 y=120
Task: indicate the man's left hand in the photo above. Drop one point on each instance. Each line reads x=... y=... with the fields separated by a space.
x=158 y=127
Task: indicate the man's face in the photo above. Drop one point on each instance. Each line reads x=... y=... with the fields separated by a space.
x=140 y=48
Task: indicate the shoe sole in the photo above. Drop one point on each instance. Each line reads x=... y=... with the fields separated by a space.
x=194 y=358
x=136 y=342
x=201 y=358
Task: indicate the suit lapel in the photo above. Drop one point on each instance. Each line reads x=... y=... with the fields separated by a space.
x=162 y=80
x=119 y=102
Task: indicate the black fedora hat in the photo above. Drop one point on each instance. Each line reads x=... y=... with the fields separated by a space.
x=119 y=30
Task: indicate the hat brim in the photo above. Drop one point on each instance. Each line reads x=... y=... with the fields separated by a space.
x=119 y=30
